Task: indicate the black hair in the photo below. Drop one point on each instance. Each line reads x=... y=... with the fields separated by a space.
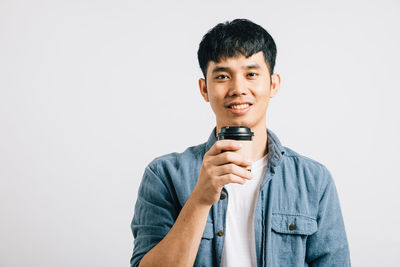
x=229 y=39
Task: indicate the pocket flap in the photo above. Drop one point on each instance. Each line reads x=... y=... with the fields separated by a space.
x=208 y=231
x=294 y=224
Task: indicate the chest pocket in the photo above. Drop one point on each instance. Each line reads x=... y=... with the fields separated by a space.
x=289 y=238
x=293 y=224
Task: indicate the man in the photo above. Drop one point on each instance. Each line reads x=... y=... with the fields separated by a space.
x=203 y=208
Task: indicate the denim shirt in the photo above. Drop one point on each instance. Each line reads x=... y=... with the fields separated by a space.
x=297 y=222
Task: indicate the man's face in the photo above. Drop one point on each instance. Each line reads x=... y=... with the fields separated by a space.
x=239 y=90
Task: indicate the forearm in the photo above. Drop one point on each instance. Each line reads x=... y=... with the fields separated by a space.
x=179 y=247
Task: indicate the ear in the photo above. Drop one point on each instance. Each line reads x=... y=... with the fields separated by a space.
x=275 y=84
x=203 y=89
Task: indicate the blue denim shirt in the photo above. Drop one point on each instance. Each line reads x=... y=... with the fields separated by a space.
x=298 y=221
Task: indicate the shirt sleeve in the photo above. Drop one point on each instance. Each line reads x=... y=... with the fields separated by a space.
x=328 y=246
x=154 y=214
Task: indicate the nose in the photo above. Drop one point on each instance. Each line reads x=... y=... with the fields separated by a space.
x=238 y=86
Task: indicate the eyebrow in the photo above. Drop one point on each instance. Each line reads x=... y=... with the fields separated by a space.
x=222 y=68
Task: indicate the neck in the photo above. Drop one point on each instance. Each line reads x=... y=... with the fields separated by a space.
x=260 y=139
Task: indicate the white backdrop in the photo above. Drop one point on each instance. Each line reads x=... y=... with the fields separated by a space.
x=92 y=91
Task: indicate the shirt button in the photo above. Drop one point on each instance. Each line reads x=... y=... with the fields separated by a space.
x=223 y=196
x=292 y=227
x=221 y=233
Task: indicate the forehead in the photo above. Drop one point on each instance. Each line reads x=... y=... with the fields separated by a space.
x=238 y=62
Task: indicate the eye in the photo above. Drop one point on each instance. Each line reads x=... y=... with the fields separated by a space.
x=221 y=77
x=252 y=74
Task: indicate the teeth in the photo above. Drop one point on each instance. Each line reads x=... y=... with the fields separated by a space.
x=240 y=106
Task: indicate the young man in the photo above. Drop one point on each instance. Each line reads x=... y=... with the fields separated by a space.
x=203 y=208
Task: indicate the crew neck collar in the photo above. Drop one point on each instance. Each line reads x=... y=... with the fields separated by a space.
x=261 y=162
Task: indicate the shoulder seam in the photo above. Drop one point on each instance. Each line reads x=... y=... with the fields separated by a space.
x=294 y=154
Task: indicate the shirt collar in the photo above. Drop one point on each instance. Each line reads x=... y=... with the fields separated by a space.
x=275 y=149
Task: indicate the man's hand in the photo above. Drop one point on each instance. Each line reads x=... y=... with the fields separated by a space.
x=221 y=166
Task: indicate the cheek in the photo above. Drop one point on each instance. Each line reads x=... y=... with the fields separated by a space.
x=215 y=97
x=216 y=102
x=263 y=92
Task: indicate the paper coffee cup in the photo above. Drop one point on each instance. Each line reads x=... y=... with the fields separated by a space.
x=242 y=134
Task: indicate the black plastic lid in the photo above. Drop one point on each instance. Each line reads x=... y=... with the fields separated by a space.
x=235 y=133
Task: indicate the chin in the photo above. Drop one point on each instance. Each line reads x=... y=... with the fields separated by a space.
x=239 y=123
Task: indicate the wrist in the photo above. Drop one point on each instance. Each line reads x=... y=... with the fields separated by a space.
x=199 y=201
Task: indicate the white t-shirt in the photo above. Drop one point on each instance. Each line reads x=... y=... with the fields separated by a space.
x=239 y=246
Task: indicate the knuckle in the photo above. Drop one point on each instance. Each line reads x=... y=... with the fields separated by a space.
x=218 y=144
x=208 y=162
x=236 y=156
x=205 y=165
x=231 y=168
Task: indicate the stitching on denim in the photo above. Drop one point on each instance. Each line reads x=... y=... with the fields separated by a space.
x=296 y=214
x=157 y=174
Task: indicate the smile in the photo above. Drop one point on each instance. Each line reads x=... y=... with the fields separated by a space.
x=239 y=109
x=242 y=106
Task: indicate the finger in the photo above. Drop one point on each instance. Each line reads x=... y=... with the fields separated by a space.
x=231 y=178
x=231 y=157
x=235 y=170
x=224 y=145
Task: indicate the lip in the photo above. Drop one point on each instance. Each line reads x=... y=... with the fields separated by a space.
x=239 y=111
x=238 y=103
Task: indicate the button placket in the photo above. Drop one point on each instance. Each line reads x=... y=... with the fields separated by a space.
x=221 y=233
